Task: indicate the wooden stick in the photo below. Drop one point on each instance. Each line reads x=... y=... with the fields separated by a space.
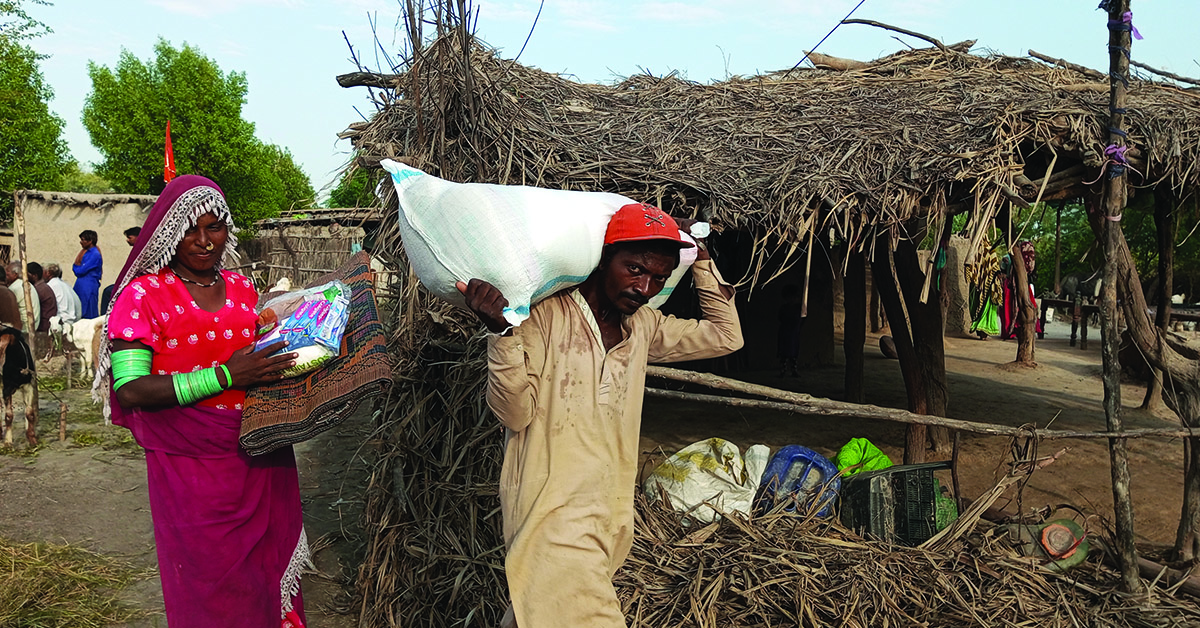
x=1172 y=76
x=1115 y=197
x=368 y=79
x=62 y=421
x=801 y=403
x=1070 y=66
x=897 y=29
x=835 y=63
x=31 y=323
x=1012 y=195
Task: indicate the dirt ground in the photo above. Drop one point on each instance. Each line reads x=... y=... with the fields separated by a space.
x=1063 y=392
x=91 y=489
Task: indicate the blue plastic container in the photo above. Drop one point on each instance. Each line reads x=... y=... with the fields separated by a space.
x=800 y=475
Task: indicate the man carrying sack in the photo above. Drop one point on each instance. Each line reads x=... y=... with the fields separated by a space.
x=567 y=384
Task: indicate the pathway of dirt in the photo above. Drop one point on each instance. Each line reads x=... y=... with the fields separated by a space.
x=91 y=491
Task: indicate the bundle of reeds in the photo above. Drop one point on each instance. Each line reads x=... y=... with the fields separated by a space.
x=784 y=570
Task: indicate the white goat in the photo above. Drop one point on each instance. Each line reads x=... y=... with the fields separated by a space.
x=81 y=337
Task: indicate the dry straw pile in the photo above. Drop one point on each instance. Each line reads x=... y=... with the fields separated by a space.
x=901 y=141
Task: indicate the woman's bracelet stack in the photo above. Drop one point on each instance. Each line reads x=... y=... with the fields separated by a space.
x=192 y=387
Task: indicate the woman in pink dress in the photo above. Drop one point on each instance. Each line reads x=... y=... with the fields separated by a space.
x=176 y=358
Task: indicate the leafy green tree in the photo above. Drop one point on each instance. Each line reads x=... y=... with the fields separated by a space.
x=32 y=151
x=15 y=23
x=294 y=185
x=76 y=179
x=1082 y=255
x=356 y=188
x=126 y=115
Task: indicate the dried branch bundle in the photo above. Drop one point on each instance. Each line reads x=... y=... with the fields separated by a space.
x=911 y=136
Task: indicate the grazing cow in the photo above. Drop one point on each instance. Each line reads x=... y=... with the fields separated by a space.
x=16 y=373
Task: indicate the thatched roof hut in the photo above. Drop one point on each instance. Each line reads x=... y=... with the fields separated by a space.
x=886 y=149
x=917 y=134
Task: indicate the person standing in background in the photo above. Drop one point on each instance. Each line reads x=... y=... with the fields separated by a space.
x=88 y=268
x=47 y=302
x=131 y=235
x=69 y=306
x=12 y=274
x=10 y=314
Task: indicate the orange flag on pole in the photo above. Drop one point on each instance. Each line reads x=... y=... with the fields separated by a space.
x=169 y=164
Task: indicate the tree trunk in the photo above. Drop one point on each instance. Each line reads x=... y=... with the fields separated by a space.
x=1180 y=365
x=925 y=322
x=1115 y=197
x=1164 y=223
x=1026 y=311
x=1187 y=537
x=914 y=385
x=854 y=334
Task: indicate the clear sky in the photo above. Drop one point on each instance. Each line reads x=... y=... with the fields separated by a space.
x=291 y=50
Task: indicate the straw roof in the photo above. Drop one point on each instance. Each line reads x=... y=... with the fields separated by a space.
x=914 y=135
x=95 y=201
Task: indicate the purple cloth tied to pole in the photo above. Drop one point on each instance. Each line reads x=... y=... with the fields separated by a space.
x=1116 y=153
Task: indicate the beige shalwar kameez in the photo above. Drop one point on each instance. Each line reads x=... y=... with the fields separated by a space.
x=573 y=414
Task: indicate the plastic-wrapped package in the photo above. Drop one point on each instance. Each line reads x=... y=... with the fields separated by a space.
x=312 y=322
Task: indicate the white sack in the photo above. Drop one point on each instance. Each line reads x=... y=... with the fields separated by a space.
x=528 y=242
x=711 y=471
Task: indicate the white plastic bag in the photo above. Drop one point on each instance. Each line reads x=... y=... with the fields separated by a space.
x=528 y=242
x=711 y=471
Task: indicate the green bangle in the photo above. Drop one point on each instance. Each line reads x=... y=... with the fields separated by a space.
x=129 y=365
x=192 y=387
x=180 y=382
x=228 y=377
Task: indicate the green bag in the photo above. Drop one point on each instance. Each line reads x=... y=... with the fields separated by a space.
x=860 y=451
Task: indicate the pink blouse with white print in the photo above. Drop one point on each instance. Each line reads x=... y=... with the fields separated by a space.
x=158 y=311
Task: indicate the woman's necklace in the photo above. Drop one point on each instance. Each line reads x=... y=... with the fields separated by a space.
x=197 y=283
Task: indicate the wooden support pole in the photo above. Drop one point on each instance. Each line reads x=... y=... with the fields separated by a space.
x=854 y=334
x=1164 y=224
x=1058 y=249
x=800 y=403
x=30 y=322
x=889 y=294
x=1119 y=42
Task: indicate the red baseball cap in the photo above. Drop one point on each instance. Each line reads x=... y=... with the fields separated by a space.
x=639 y=221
